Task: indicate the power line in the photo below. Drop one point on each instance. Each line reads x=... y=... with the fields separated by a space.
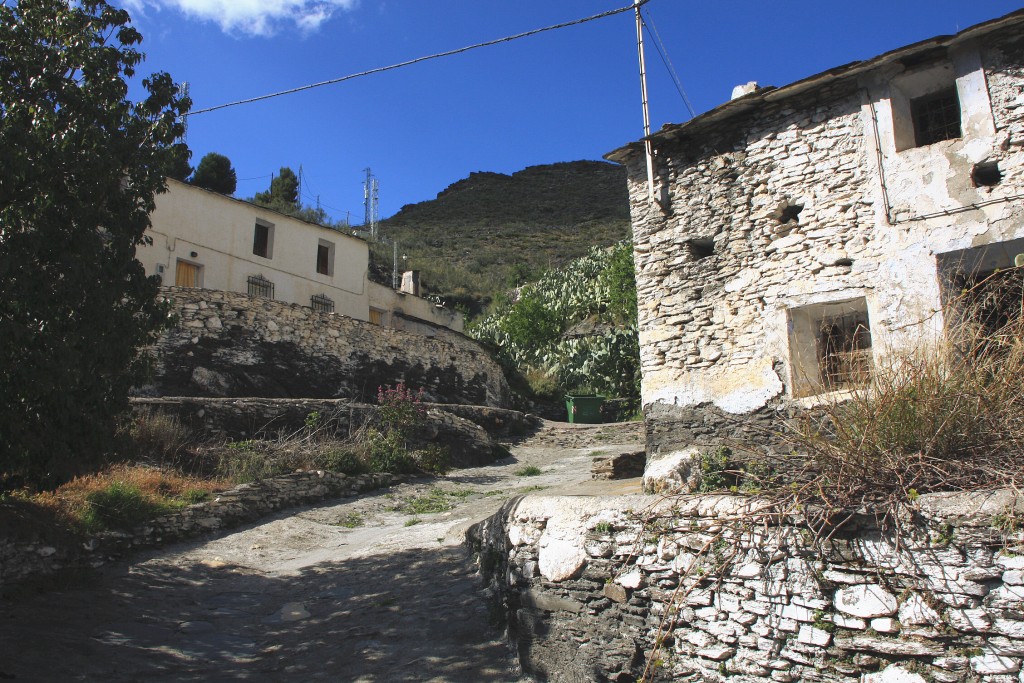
x=449 y=53
x=663 y=53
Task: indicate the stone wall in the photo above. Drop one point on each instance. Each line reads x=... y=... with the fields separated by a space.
x=592 y=585
x=467 y=432
x=786 y=206
x=227 y=344
x=22 y=558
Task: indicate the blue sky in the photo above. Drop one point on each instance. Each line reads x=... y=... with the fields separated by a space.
x=559 y=96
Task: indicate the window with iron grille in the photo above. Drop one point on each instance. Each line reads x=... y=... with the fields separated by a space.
x=320 y=302
x=936 y=117
x=844 y=351
x=261 y=286
x=829 y=346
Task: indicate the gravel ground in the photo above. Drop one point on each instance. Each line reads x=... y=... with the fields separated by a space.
x=369 y=589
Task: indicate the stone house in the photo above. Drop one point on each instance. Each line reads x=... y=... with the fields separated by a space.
x=208 y=240
x=796 y=237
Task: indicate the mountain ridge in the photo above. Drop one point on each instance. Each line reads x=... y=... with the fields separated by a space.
x=491 y=231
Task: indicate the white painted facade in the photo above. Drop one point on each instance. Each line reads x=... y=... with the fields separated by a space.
x=205 y=239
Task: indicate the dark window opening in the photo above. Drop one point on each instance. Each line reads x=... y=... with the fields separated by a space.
x=261 y=286
x=791 y=213
x=992 y=300
x=844 y=351
x=261 y=241
x=700 y=249
x=321 y=303
x=323 y=259
x=986 y=174
x=936 y=117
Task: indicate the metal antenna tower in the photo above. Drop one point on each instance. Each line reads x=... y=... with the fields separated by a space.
x=371 y=197
x=184 y=90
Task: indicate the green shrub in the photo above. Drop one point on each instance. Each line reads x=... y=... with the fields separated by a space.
x=388 y=453
x=193 y=496
x=435 y=458
x=528 y=471
x=714 y=470
x=241 y=463
x=120 y=506
x=344 y=460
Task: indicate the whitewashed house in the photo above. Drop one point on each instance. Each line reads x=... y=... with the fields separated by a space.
x=208 y=240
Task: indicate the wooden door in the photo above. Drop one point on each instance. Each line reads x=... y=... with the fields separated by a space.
x=186 y=275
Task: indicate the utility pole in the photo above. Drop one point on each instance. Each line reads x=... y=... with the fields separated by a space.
x=648 y=146
x=394 y=269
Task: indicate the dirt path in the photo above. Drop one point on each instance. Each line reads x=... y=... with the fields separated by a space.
x=371 y=589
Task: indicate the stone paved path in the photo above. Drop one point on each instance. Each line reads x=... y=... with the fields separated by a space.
x=355 y=590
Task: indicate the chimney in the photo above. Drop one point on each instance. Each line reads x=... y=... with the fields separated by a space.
x=411 y=282
x=745 y=89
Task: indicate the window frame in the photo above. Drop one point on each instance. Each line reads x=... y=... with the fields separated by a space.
x=816 y=367
x=922 y=107
x=265 y=229
x=325 y=248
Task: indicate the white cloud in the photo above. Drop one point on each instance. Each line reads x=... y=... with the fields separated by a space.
x=253 y=17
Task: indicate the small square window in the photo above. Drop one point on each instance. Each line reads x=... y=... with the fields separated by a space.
x=376 y=316
x=936 y=117
x=830 y=347
x=263 y=240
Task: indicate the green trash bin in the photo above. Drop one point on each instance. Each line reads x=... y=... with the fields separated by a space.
x=584 y=409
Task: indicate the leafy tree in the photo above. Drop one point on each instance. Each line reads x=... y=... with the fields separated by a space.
x=215 y=173
x=619 y=280
x=178 y=166
x=530 y=323
x=598 y=289
x=283 y=194
x=81 y=165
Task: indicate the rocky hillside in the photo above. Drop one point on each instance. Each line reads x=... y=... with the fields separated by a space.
x=491 y=231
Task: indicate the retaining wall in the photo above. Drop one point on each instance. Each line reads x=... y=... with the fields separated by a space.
x=228 y=344
x=593 y=593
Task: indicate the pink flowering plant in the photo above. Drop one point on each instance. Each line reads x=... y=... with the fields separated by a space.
x=399 y=411
x=399 y=408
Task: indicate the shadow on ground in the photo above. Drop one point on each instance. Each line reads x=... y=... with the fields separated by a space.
x=408 y=616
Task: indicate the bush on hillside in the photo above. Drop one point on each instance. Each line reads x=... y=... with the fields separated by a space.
x=528 y=334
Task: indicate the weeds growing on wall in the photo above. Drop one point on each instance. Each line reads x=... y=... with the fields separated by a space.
x=947 y=417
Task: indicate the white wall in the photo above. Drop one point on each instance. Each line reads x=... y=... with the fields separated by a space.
x=216 y=232
x=387 y=299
